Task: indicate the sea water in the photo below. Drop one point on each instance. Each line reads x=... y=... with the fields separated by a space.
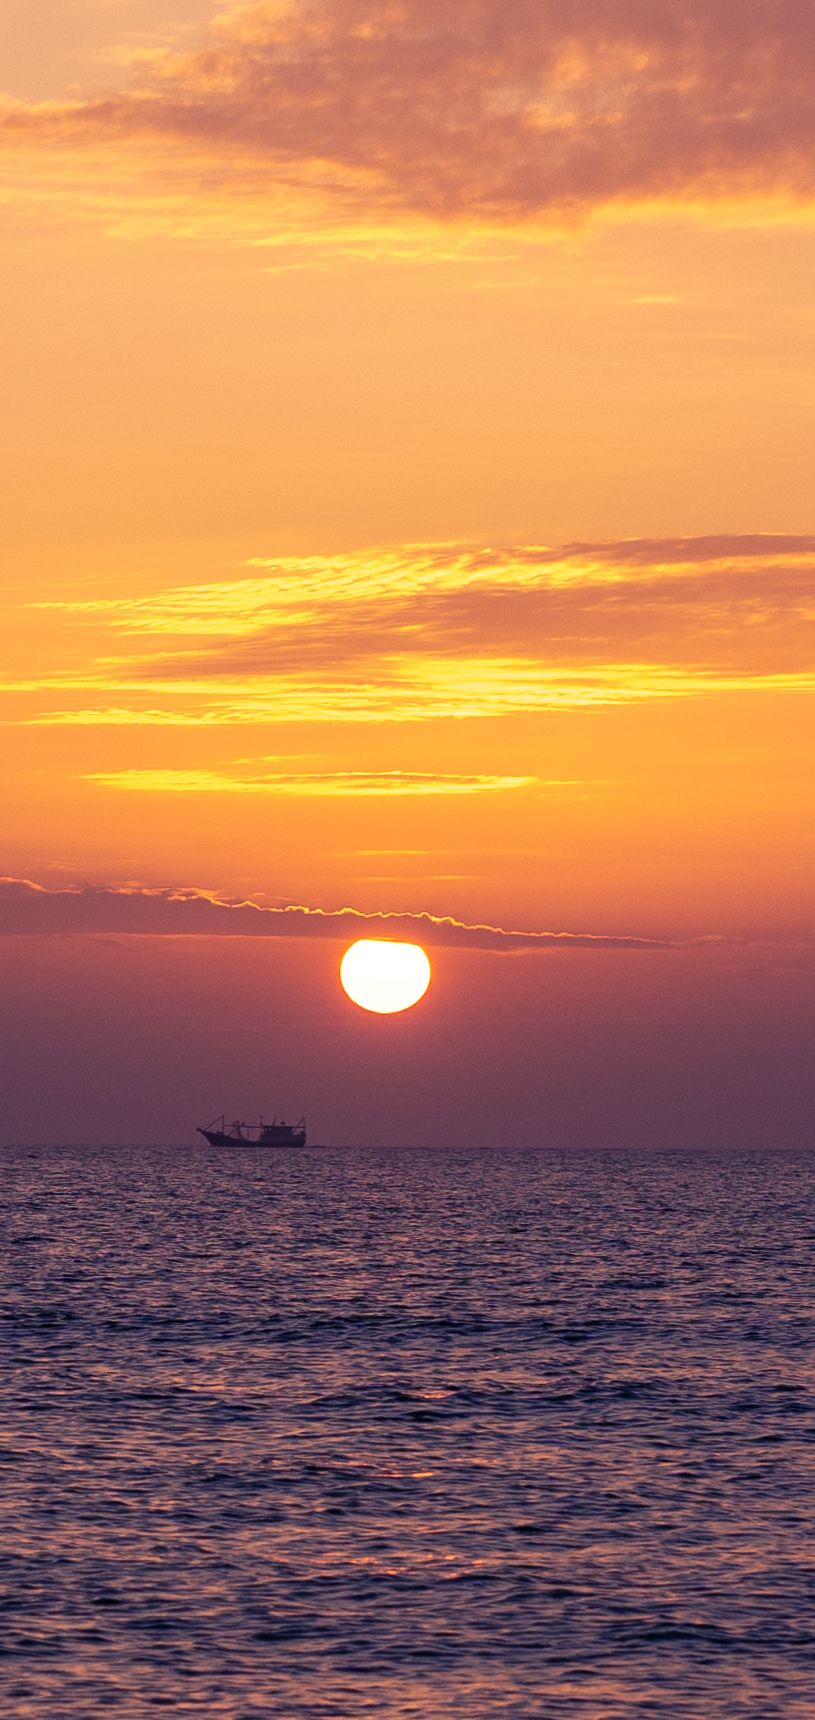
x=351 y=1433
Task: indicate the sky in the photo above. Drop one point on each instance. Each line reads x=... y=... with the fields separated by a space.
x=408 y=531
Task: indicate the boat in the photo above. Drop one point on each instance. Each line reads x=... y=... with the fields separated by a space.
x=274 y=1134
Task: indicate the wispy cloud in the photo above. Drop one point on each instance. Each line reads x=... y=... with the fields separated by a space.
x=27 y=908
x=500 y=111
x=343 y=782
x=438 y=631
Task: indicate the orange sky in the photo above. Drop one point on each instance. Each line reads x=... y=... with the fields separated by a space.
x=408 y=508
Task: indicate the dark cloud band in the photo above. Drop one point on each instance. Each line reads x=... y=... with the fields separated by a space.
x=28 y=908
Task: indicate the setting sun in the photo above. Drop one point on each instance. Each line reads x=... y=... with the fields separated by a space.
x=384 y=977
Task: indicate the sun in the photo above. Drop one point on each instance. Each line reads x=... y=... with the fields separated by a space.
x=384 y=977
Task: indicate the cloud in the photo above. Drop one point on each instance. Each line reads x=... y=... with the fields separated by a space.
x=27 y=908
x=342 y=783
x=490 y=110
x=434 y=631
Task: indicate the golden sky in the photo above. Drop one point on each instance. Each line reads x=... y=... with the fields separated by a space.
x=408 y=500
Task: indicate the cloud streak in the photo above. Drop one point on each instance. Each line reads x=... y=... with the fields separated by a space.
x=27 y=908
x=429 y=631
x=501 y=111
x=343 y=784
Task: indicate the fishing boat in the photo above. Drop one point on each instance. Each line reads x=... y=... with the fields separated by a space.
x=274 y=1134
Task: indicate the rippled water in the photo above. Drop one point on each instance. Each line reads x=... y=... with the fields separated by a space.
x=354 y=1433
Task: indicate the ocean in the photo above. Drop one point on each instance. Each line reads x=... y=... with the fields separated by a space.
x=340 y=1433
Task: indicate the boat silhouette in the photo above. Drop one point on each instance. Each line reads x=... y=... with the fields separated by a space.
x=274 y=1134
